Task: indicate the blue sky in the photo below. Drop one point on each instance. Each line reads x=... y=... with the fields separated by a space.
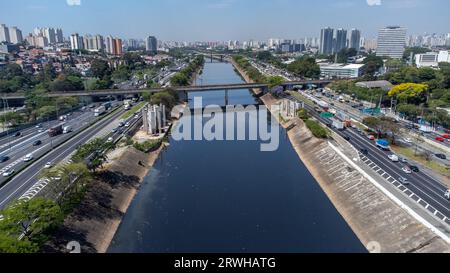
x=192 y=20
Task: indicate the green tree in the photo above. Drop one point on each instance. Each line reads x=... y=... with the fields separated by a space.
x=305 y=67
x=100 y=68
x=33 y=219
x=275 y=81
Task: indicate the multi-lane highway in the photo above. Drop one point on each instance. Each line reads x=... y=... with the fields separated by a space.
x=427 y=188
x=25 y=179
x=36 y=141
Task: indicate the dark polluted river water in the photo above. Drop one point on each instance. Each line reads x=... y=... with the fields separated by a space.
x=228 y=196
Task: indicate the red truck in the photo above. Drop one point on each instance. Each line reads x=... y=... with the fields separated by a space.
x=54 y=131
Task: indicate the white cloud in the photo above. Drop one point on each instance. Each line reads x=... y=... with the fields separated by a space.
x=374 y=2
x=73 y=2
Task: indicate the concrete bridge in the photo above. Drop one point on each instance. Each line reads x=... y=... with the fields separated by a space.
x=182 y=90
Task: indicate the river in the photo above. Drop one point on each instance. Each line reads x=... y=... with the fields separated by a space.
x=228 y=196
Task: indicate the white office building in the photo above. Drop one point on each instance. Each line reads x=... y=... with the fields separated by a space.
x=432 y=59
x=341 y=71
x=391 y=42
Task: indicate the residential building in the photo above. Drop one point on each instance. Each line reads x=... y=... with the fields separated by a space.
x=326 y=41
x=4 y=34
x=391 y=42
x=76 y=42
x=50 y=34
x=15 y=35
x=118 y=49
x=59 y=36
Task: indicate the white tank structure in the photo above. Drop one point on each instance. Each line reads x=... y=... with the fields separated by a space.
x=155 y=120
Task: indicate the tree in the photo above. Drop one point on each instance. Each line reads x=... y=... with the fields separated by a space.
x=12 y=117
x=11 y=244
x=409 y=92
x=275 y=81
x=346 y=53
x=33 y=219
x=303 y=114
x=305 y=67
x=100 y=68
x=73 y=180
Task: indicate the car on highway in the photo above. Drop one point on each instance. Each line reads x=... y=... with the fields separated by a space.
x=413 y=168
x=403 y=160
x=18 y=134
x=114 y=130
x=4 y=158
x=8 y=172
x=393 y=158
x=406 y=170
x=364 y=151
x=127 y=124
x=37 y=143
x=440 y=139
x=403 y=180
x=371 y=137
x=346 y=138
x=110 y=139
x=39 y=126
x=447 y=194
x=441 y=156
x=121 y=124
x=48 y=165
x=407 y=140
x=446 y=136
x=28 y=158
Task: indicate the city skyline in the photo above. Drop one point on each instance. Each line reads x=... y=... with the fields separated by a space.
x=227 y=19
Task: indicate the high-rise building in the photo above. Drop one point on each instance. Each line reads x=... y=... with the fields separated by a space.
x=355 y=39
x=76 y=41
x=4 y=34
x=37 y=40
x=109 y=44
x=59 y=36
x=151 y=44
x=50 y=34
x=340 y=40
x=326 y=41
x=391 y=42
x=118 y=47
x=15 y=35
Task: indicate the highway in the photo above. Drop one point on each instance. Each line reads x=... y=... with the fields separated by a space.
x=18 y=149
x=427 y=188
x=24 y=180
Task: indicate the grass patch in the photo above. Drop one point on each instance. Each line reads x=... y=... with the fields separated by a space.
x=133 y=110
x=317 y=130
x=302 y=98
x=409 y=153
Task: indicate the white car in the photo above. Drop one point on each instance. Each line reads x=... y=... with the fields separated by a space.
x=408 y=140
x=28 y=158
x=393 y=158
x=8 y=172
x=41 y=130
x=48 y=165
x=403 y=180
x=127 y=124
x=447 y=194
x=110 y=139
x=406 y=170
